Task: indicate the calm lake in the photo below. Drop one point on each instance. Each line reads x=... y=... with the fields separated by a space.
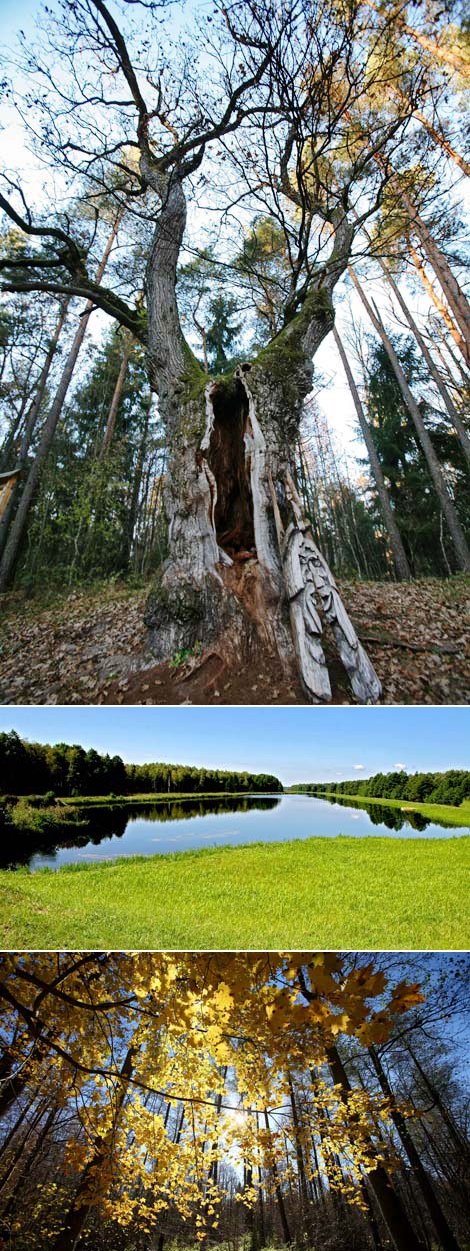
x=179 y=825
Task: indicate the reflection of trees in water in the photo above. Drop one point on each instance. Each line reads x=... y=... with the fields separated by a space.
x=382 y=814
x=111 y=822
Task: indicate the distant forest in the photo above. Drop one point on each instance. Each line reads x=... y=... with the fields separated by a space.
x=67 y=769
x=451 y=787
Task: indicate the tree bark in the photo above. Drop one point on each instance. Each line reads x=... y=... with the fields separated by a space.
x=12 y=546
x=462 y=551
x=83 y=1199
x=454 y=295
x=243 y=572
x=399 y=555
x=113 y=410
x=391 y=1207
x=31 y=419
x=439 y=1220
x=443 y=392
x=438 y=303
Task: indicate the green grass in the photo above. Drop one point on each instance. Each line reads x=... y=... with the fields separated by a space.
x=321 y=892
x=449 y=814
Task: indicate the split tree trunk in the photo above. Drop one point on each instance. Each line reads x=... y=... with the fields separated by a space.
x=243 y=571
x=462 y=551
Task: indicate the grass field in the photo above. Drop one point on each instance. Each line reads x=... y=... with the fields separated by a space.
x=450 y=814
x=326 y=893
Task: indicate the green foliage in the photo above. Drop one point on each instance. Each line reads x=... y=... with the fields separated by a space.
x=90 y=518
x=410 y=487
x=451 y=787
x=70 y=770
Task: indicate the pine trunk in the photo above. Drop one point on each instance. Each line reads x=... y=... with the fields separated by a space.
x=441 y=387
x=399 y=555
x=462 y=551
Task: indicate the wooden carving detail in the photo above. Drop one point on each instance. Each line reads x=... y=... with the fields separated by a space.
x=313 y=595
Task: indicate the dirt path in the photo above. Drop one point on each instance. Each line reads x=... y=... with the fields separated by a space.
x=91 y=647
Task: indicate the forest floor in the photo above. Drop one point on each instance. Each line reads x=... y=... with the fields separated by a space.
x=90 y=646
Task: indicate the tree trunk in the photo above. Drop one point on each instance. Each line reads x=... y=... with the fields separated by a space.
x=278 y=1191
x=31 y=419
x=443 y=392
x=243 y=572
x=438 y=303
x=399 y=555
x=437 y=135
x=83 y=1199
x=442 y=1228
x=454 y=295
x=391 y=1207
x=12 y=546
x=113 y=410
x=460 y=544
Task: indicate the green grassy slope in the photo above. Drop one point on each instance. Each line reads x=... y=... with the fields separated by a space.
x=343 y=892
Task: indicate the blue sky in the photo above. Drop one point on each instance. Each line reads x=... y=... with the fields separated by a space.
x=296 y=744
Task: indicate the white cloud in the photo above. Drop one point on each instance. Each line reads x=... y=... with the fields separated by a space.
x=358 y=766
x=399 y=765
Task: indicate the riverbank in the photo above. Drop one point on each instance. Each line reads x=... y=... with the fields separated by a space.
x=326 y=893
x=448 y=814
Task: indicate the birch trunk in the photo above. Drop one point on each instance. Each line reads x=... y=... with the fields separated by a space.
x=462 y=551
x=243 y=570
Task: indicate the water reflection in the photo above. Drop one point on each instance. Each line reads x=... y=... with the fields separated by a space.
x=103 y=822
x=393 y=818
x=175 y=825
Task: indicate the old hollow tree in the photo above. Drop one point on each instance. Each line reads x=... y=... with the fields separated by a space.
x=264 y=111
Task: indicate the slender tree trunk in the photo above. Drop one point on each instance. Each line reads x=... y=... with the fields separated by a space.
x=391 y=1207
x=279 y=1195
x=113 y=411
x=83 y=1199
x=437 y=135
x=435 y=374
x=243 y=571
x=31 y=419
x=461 y=1143
x=430 y=44
x=12 y=546
x=453 y=292
x=460 y=544
x=399 y=555
x=438 y=303
x=439 y=1220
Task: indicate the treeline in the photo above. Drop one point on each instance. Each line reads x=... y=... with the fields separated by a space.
x=451 y=787
x=67 y=769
